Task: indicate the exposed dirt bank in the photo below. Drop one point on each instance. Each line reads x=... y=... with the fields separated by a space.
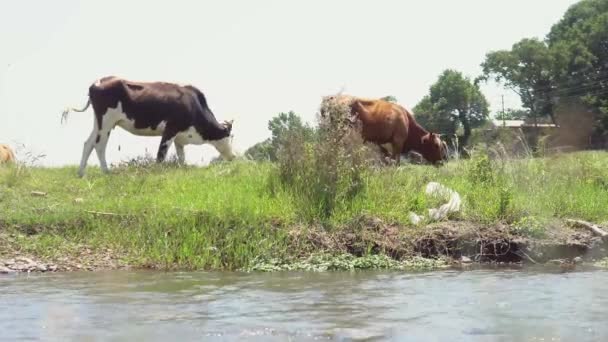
x=458 y=241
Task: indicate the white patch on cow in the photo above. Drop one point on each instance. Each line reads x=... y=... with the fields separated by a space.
x=189 y=136
x=129 y=126
x=117 y=117
x=192 y=137
x=224 y=147
x=98 y=139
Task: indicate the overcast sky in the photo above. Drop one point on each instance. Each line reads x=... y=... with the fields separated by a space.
x=252 y=59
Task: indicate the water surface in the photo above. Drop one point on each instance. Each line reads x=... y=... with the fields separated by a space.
x=337 y=306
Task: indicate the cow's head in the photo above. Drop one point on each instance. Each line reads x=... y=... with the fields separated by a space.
x=224 y=145
x=432 y=148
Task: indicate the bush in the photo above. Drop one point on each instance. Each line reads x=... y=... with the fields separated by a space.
x=491 y=187
x=530 y=226
x=327 y=168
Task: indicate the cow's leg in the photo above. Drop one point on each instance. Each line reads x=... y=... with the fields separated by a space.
x=101 y=142
x=165 y=142
x=87 y=149
x=397 y=149
x=385 y=154
x=181 y=156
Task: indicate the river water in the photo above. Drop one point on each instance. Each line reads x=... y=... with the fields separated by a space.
x=478 y=305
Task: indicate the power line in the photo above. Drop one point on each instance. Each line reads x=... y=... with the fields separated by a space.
x=584 y=88
x=566 y=86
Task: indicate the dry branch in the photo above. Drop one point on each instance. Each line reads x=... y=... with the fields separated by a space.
x=101 y=213
x=594 y=228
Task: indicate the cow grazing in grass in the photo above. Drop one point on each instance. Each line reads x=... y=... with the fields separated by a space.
x=392 y=127
x=7 y=156
x=179 y=114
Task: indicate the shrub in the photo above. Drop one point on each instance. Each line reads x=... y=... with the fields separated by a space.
x=530 y=226
x=491 y=187
x=327 y=168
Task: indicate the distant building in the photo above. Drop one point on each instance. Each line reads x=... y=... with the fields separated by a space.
x=520 y=124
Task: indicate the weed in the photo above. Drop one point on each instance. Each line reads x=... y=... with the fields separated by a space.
x=344 y=262
x=530 y=226
x=326 y=169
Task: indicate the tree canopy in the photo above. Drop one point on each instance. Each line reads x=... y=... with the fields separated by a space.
x=569 y=65
x=580 y=43
x=279 y=127
x=527 y=70
x=389 y=98
x=453 y=101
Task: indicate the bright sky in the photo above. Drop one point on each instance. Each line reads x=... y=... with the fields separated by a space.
x=252 y=59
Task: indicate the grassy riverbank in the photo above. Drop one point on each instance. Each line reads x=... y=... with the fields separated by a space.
x=238 y=215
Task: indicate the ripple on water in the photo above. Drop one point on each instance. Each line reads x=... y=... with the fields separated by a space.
x=450 y=305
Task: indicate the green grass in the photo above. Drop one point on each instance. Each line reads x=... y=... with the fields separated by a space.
x=228 y=215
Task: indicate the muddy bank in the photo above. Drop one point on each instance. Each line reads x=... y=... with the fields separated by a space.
x=75 y=258
x=458 y=242
x=455 y=240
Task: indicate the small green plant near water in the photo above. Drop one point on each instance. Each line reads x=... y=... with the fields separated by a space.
x=345 y=262
x=490 y=190
x=603 y=263
x=594 y=171
x=505 y=197
x=530 y=226
x=481 y=171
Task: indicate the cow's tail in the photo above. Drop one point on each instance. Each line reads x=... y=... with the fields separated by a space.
x=64 y=116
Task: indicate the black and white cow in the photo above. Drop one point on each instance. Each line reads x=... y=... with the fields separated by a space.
x=179 y=114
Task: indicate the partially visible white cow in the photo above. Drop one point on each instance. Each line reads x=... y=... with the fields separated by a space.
x=7 y=156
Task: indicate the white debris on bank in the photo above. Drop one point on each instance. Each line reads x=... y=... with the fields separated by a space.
x=434 y=189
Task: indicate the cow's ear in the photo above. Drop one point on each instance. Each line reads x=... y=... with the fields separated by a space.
x=228 y=124
x=425 y=138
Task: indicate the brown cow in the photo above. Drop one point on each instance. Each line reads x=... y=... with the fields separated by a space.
x=7 y=156
x=390 y=125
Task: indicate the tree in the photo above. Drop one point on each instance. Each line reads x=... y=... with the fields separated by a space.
x=579 y=42
x=569 y=66
x=527 y=69
x=280 y=127
x=433 y=118
x=260 y=151
x=452 y=101
x=389 y=98
x=284 y=124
